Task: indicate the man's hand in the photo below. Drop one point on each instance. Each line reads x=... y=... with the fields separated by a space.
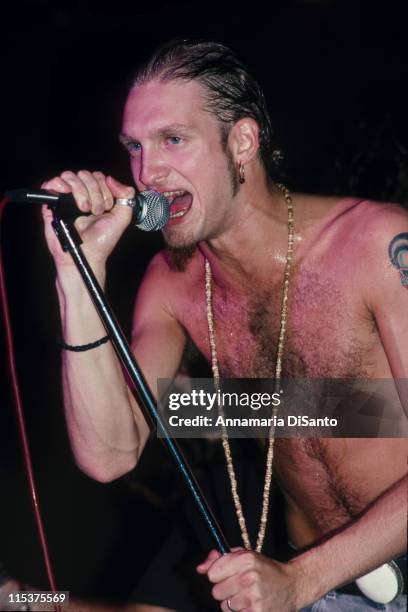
x=250 y=582
x=94 y=193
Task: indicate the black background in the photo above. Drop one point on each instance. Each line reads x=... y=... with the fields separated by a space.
x=334 y=74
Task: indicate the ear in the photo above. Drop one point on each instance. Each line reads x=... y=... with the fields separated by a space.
x=243 y=140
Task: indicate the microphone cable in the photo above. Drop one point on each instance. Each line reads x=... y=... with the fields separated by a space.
x=22 y=430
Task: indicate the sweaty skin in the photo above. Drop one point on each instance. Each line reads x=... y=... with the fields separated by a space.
x=346 y=497
x=326 y=482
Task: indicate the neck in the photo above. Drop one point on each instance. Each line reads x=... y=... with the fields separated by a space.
x=259 y=233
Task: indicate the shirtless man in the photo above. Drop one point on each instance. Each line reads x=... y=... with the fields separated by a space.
x=194 y=124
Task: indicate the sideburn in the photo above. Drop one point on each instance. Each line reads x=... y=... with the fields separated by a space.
x=232 y=168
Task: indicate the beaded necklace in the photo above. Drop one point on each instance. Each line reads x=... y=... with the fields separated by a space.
x=278 y=370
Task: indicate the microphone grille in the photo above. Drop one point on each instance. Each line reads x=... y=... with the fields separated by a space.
x=156 y=210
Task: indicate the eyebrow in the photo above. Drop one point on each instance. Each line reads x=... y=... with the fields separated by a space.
x=125 y=139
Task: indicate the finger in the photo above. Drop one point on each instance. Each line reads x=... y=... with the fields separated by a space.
x=119 y=190
x=82 y=223
x=203 y=567
x=245 y=601
x=216 y=554
x=94 y=190
x=226 y=588
x=236 y=604
x=230 y=564
x=79 y=190
x=106 y=192
x=47 y=216
x=56 y=184
x=232 y=606
x=46 y=212
x=49 y=232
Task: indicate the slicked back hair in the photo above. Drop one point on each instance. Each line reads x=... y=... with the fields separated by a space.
x=231 y=92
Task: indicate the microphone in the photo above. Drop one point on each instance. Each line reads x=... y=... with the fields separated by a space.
x=151 y=210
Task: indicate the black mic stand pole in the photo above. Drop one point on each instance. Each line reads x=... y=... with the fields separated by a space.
x=70 y=241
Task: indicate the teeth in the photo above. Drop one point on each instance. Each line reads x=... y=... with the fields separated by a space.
x=180 y=213
x=171 y=195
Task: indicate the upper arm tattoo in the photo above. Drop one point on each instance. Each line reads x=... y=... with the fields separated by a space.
x=398 y=253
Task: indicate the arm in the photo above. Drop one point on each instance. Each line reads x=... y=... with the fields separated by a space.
x=253 y=581
x=106 y=427
x=379 y=535
x=389 y=299
x=381 y=532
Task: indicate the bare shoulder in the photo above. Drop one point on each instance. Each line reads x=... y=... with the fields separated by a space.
x=355 y=238
x=382 y=217
x=370 y=237
x=353 y=223
x=370 y=212
x=377 y=224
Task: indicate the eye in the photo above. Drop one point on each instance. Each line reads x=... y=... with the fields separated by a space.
x=174 y=140
x=133 y=147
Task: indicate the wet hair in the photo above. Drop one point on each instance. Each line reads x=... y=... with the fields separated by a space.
x=231 y=92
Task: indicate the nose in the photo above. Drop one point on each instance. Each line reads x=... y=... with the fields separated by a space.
x=151 y=170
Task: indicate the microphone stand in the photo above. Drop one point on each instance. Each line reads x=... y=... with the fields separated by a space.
x=70 y=241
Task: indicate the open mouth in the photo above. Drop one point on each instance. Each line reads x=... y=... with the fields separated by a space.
x=180 y=203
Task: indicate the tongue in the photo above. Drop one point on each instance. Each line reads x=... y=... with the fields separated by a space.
x=181 y=202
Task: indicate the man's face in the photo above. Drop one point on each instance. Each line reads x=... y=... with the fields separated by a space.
x=175 y=148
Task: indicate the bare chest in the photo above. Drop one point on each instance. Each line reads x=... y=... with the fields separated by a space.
x=329 y=335
x=324 y=335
